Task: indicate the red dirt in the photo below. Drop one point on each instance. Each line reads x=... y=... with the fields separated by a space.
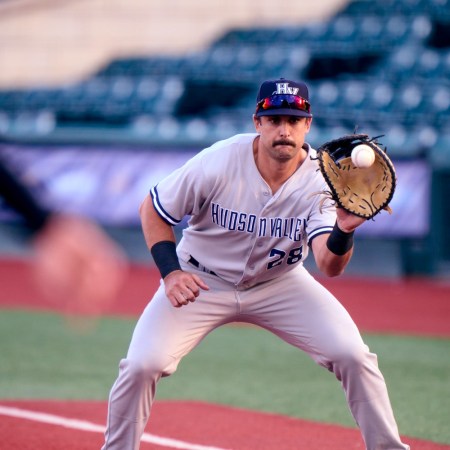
x=193 y=422
x=416 y=306
x=409 y=306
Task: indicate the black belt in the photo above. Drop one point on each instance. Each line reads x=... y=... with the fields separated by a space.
x=195 y=263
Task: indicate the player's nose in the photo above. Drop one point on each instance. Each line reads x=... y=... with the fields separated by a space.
x=284 y=128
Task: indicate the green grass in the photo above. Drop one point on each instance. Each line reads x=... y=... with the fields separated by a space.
x=241 y=366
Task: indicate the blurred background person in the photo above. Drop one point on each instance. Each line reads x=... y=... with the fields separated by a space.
x=75 y=263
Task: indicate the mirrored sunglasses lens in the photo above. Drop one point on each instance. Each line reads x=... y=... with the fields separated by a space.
x=292 y=101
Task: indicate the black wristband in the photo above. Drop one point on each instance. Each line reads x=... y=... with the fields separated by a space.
x=165 y=256
x=339 y=242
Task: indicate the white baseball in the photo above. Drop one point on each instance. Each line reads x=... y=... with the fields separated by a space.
x=363 y=156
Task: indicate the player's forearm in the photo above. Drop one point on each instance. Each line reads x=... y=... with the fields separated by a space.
x=155 y=229
x=329 y=263
x=334 y=265
x=160 y=239
x=336 y=249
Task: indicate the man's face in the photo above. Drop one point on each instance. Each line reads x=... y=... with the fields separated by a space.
x=282 y=136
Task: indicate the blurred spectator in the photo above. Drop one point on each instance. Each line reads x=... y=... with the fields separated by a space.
x=75 y=263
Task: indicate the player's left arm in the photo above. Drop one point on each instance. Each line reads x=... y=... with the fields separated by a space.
x=328 y=262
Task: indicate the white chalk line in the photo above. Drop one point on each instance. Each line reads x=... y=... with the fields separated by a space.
x=84 y=425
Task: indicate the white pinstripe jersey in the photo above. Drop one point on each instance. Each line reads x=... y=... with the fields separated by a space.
x=237 y=228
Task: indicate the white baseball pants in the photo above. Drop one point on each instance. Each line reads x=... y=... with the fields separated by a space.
x=295 y=307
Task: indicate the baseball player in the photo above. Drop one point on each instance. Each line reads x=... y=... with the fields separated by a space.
x=253 y=221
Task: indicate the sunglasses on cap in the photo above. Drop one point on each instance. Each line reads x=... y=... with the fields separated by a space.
x=284 y=100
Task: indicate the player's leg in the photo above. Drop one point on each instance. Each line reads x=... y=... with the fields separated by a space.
x=305 y=314
x=163 y=335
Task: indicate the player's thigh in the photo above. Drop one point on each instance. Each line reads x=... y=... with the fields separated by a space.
x=166 y=331
x=307 y=315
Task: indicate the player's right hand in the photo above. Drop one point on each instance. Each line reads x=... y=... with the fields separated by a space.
x=183 y=287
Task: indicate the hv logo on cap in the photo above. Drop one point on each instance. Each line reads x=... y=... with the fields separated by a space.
x=284 y=88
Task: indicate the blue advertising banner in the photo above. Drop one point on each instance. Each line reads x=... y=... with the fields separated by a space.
x=108 y=184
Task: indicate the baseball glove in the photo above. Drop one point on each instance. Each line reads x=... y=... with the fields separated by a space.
x=363 y=192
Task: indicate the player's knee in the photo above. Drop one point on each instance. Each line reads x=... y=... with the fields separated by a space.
x=350 y=358
x=142 y=371
x=354 y=356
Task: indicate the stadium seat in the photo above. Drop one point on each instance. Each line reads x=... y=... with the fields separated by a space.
x=376 y=64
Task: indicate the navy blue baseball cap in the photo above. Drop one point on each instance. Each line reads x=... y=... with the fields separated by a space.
x=283 y=97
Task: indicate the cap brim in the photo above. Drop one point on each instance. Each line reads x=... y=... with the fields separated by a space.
x=283 y=112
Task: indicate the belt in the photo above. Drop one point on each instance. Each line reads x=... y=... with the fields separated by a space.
x=199 y=266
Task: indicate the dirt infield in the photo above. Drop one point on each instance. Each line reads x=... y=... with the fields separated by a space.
x=182 y=425
x=411 y=306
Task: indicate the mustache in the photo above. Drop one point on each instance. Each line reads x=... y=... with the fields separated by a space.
x=283 y=142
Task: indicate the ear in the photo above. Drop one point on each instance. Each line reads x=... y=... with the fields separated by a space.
x=257 y=123
x=308 y=123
